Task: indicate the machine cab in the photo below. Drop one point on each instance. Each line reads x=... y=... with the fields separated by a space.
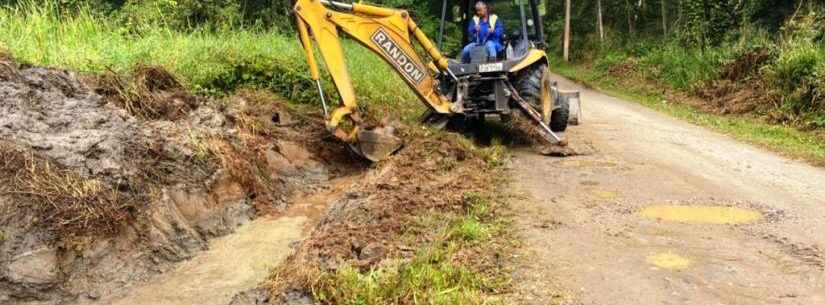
x=521 y=20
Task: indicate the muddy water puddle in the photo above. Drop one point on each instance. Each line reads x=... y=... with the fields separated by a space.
x=700 y=214
x=314 y=206
x=237 y=262
x=233 y=264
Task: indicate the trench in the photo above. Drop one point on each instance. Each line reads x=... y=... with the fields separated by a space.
x=237 y=262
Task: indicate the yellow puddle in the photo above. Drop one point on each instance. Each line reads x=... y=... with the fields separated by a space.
x=669 y=261
x=701 y=214
x=606 y=195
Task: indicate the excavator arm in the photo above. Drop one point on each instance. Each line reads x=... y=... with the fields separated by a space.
x=387 y=32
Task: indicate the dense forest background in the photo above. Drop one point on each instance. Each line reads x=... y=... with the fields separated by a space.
x=771 y=50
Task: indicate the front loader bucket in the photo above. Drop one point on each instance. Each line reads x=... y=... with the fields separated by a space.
x=377 y=144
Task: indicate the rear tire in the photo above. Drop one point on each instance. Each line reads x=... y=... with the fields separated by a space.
x=560 y=117
x=529 y=85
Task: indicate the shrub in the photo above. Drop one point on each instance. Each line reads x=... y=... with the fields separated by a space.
x=683 y=68
x=796 y=65
x=796 y=78
x=181 y=14
x=605 y=62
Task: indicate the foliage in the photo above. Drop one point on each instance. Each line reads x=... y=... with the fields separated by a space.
x=775 y=47
x=181 y=14
x=207 y=61
x=224 y=44
x=797 y=74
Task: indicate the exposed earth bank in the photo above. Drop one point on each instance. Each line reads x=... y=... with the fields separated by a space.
x=107 y=182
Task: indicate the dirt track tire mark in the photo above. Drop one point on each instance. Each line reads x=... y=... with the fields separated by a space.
x=588 y=242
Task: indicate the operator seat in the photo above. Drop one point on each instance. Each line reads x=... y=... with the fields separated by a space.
x=478 y=55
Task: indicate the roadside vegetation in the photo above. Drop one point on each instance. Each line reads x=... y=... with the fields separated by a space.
x=788 y=140
x=753 y=69
x=212 y=61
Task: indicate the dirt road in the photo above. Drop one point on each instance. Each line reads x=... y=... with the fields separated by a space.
x=664 y=212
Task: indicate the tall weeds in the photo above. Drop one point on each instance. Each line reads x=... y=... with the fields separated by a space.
x=207 y=61
x=787 y=70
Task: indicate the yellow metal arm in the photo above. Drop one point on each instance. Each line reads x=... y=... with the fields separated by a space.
x=387 y=32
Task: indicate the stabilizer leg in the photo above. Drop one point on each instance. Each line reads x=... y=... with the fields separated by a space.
x=535 y=116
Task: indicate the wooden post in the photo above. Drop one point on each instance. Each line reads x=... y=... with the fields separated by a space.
x=567 y=30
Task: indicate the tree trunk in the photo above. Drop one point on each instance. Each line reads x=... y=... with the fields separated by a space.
x=705 y=24
x=567 y=5
x=680 y=11
x=664 y=17
x=630 y=27
x=600 y=20
x=637 y=11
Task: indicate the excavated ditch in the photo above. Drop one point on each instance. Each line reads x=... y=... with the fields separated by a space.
x=96 y=197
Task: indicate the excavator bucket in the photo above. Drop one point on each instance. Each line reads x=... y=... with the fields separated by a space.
x=377 y=143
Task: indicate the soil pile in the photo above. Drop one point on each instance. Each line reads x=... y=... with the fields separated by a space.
x=105 y=184
x=727 y=97
x=378 y=222
x=50 y=112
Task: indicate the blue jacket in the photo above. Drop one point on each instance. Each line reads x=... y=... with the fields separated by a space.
x=485 y=34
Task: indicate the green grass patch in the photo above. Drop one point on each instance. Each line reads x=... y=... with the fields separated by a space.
x=782 y=139
x=442 y=272
x=430 y=278
x=212 y=62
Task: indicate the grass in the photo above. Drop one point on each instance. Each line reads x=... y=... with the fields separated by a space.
x=68 y=203
x=438 y=273
x=431 y=278
x=212 y=62
x=782 y=139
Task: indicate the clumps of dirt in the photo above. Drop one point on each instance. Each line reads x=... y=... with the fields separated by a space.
x=149 y=92
x=432 y=174
x=51 y=112
x=735 y=92
x=727 y=97
x=745 y=65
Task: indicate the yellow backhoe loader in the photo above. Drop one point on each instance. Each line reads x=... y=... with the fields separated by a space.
x=516 y=81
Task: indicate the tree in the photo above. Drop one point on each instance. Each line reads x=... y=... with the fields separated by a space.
x=600 y=20
x=664 y=17
x=567 y=9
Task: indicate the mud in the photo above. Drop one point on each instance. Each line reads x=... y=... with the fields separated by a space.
x=193 y=174
x=51 y=112
x=376 y=221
